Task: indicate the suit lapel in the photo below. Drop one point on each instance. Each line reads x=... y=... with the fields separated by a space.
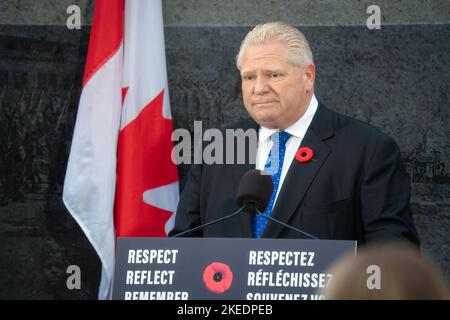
x=301 y=174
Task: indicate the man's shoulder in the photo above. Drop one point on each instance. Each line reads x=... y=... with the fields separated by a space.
x=353 y=127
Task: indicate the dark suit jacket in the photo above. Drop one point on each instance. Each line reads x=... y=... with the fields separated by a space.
x=355 y=189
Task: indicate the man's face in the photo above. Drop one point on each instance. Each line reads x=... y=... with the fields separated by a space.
x=276 y=93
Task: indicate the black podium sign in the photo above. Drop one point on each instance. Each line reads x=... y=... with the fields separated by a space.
x=224 y=268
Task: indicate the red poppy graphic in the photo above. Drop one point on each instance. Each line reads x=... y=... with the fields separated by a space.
x=217 y=277
x=304 y=154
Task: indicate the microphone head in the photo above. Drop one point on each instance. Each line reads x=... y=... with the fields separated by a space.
x=254 y=191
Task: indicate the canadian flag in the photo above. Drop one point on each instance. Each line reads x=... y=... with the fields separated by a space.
x=120 y=179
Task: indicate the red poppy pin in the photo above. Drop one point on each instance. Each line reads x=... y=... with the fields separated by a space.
x=304 y=154
x=217 y=277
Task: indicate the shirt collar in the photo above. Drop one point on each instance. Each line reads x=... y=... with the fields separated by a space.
x=298 y=128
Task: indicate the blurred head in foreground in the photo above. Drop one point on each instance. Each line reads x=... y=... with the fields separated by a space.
x=395 y=271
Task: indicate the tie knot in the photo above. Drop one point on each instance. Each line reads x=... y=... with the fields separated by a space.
x=283 y=137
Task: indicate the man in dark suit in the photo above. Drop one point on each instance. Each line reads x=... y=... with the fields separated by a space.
x=335 y=177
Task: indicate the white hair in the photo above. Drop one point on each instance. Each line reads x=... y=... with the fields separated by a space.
x=298 y=46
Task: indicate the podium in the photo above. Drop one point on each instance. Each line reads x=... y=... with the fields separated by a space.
x=224 y=268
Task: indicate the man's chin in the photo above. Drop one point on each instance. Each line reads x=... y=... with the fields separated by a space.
x=268 y=122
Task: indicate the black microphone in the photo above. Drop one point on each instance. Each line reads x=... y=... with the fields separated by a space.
x=253 y=196
x=254 y=191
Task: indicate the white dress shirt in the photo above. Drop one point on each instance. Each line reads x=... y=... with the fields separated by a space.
x=297 y=131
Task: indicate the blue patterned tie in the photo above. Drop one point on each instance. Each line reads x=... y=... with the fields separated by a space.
x=277 y=156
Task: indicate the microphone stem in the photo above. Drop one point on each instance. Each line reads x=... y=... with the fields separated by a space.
x=284 y=224
x=208 y=224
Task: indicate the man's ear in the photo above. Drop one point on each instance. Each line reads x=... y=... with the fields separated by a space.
x=310 y=76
